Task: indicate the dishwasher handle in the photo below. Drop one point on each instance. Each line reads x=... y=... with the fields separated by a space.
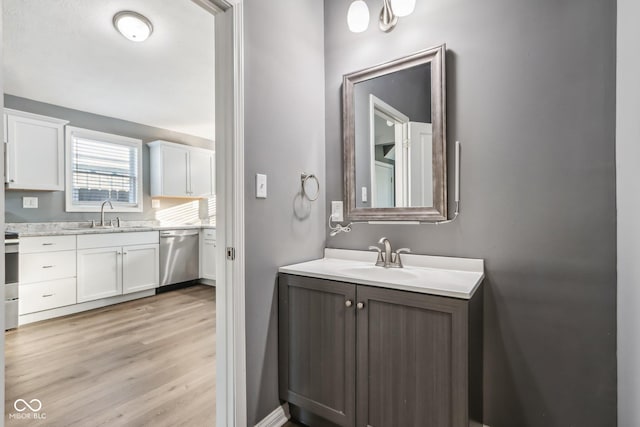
x=179 y=233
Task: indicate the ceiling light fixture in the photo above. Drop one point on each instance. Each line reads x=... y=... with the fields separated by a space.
x=358 y=14
x=132 y=25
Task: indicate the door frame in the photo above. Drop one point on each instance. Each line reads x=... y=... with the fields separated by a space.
x=231 y=360
x=231 y=371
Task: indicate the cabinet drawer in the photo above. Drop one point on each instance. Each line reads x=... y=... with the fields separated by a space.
x=47 y=244
x=39 y=267
x=47 y=295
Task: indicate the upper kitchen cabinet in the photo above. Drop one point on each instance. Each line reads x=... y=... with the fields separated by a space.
x=181 y=171
x=34 y=151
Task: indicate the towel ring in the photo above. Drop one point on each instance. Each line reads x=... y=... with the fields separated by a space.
x=304 y=177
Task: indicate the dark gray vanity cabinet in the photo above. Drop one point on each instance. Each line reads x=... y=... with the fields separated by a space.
x=317 y=333
x=373 y=357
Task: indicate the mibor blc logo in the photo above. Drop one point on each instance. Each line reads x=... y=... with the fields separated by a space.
x=27 y=410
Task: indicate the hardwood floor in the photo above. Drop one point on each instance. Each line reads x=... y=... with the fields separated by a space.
x=149 y=362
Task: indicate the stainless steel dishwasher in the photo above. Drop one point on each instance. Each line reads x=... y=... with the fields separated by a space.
x=179 y=256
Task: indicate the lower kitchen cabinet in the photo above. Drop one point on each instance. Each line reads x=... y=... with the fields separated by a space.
x=46 y=295
x=140 y=268
x=117 y=264
x=208 y=254
x=366 y=356
x=99 y=273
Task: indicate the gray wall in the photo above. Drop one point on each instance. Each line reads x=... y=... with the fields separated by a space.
x=531 y=96
x=408 y=91
x=284 y=136
x=51 y=204
x=628 y=197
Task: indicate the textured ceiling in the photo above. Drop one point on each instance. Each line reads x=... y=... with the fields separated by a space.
x=66 y=52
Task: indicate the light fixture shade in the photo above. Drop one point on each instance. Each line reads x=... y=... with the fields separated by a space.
x=403 y=7
x=132 y=25
x=358 y=16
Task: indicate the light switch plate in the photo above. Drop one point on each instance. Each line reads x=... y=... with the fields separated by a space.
x=155 y=204
x=30 y=202
x=261 y=186
x=337 y=210
x=364 y=195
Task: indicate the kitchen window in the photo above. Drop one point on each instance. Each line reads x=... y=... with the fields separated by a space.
x=102 y=166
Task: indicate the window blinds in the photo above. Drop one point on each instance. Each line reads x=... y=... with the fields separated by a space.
x=103 y=170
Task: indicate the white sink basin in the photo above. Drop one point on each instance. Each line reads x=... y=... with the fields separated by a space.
x=452 y=277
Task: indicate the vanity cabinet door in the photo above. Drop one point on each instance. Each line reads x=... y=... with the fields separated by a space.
x=317 y=346
x=411 y=359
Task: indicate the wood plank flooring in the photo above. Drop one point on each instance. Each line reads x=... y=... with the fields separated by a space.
x=149 y=362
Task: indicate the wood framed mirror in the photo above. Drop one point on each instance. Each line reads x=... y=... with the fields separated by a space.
x=394 y=131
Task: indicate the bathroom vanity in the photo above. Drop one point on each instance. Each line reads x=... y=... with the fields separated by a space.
x=361 y=345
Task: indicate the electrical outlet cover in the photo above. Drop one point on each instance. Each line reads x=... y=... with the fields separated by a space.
x=30 y=202
x=337 y=210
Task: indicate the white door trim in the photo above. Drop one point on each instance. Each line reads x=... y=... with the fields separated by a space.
x=231 y=396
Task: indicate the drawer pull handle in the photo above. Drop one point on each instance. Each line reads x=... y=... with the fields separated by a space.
x=360 y=305
x=48 y=266
x=48 y=244
x=348 y=303
x=47 y=295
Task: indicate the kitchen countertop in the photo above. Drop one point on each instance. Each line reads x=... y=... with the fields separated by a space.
x=27 y=229
x=444 y=276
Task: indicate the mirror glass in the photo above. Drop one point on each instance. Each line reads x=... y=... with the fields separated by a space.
x=394 y=139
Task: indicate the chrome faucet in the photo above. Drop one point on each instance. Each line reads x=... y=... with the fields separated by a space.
x=102 y=224
x=388 y=258
x=387 y=251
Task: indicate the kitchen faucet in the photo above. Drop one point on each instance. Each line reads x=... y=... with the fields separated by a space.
x=388 y=258
x=102 y=211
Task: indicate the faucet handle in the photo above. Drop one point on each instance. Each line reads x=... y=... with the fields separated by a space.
x=380 y=260
x=397 y=261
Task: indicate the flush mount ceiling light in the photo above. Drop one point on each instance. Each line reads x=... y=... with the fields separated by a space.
x=358 y=14
x=132 y=25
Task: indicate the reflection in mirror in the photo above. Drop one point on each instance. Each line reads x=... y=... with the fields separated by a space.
x=395 y=139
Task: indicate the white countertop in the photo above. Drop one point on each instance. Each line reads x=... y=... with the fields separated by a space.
x=444 y=276
x=75 y=228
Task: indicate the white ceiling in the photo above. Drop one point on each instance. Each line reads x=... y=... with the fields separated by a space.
x=66 y=52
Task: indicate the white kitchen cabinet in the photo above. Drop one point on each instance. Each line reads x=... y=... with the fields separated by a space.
x=117 y=264
x=47 y=273
x=47 y=295
x=99 y=273
x=208 y=254
x=34 y=151
x=140 y=269
x=202 y=173
x=179 y=170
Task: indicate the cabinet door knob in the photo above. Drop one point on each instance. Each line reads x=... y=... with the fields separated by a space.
x=348 y=303
x=360 y=305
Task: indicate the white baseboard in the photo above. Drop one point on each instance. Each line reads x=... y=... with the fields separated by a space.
x=207 y=282
x=84 y=306
x=277 y=418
